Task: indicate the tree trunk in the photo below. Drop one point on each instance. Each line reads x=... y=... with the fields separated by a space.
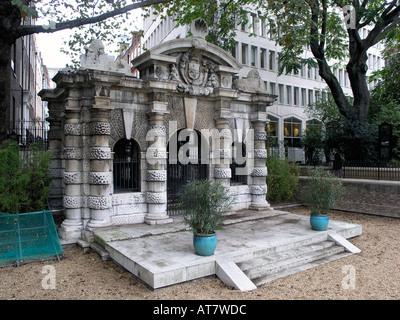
x=361 y=93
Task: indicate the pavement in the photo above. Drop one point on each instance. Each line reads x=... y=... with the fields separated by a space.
x=163 y=255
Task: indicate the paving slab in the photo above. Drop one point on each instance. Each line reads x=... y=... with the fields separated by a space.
x=163 y=255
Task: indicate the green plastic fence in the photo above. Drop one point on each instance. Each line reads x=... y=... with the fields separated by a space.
x=27 y=237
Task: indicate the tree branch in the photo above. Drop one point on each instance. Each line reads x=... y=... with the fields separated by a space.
x=389 y=19
x=24 y=30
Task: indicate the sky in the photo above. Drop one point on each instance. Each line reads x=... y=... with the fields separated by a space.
x=50 y=45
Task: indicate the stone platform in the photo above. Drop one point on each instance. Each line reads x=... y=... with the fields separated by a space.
x=254 y=247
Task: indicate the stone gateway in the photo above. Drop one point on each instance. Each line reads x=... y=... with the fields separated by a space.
x=114 y=135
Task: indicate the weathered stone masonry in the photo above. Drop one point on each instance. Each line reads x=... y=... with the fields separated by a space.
x=185 y=83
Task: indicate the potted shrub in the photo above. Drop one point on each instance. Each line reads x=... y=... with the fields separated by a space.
x=320 y=196
x=206 y=204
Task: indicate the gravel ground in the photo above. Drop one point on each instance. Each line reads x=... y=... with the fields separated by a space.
x=82 y=276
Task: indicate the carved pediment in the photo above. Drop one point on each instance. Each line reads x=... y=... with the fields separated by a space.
x=197 y=66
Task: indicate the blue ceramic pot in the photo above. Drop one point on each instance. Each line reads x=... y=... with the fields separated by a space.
x=319 y=223
x=205 y=244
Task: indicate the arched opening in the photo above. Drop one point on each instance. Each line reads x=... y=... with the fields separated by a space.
x=126 y=166
x=187 y=161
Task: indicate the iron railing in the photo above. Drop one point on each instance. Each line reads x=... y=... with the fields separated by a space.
x=177 y=176
x=26 y=132
x=375 y=170
x=126 y=175
x=359 y=169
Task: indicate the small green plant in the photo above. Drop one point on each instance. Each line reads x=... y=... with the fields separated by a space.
x=24 y=178
x=282 y=179
x=322 y=191
x=206 y=204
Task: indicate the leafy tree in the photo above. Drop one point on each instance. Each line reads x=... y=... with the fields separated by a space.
x=313 y=143
x=62 y=15
x=297 y=25
x=385 y=97
x=355 y=140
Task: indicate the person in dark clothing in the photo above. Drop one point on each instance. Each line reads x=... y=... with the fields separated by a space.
x=337 y=163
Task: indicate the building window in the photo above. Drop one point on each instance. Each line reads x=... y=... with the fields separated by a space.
x=288 y=95
x=280 y=94
x=302 y=71
x=309 y=72
x=291 y=131
x=126 y=166
x=253 y=56
x=234 y=48
x=310 y=97
x=272 y=88
x=303 y=97
x=272 y=133
x=263 y=57
x=253 y=24
x=244 y=53
x=313 y=123
x=296 y=96
x=263 y=27
x=272 y=60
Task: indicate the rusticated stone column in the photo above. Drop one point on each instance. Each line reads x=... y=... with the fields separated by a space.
x=99 y=200
x=72 y=226
x=56 y=168
x=156 y=174
x=258 y=188
x=222 y=170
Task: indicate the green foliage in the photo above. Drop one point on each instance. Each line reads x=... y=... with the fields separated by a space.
x=291 y=25
x=24 y=181
x=205 y=203
x=325 y=110
x=220 y=16
x=282 y=179
x=385 y=97
x=313 y=144
x=12 y=179
x=322 y=191
x=356 y=140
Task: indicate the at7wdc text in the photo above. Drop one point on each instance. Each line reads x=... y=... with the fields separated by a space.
x=206 y=309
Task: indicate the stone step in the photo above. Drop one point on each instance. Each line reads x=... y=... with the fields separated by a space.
x=263 y=280
x=279 y=264
x=274 y=257
x=285 y=247
x=104 y=254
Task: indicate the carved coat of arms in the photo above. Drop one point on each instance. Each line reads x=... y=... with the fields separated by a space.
x=197 y=73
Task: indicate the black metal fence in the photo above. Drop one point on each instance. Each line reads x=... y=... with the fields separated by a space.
x=126 y=174
x=376 y=170
x=26 y=132
x=178 y=175
x=358 y=169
